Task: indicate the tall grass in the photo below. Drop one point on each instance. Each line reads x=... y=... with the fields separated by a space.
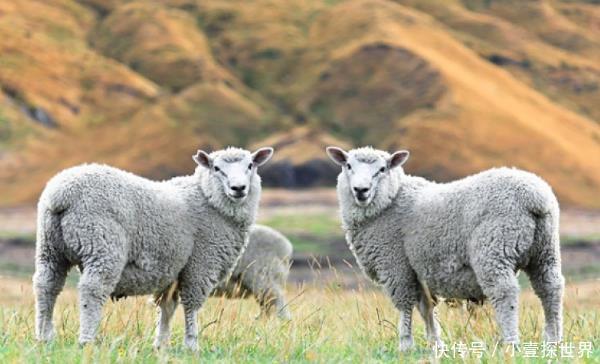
x=329 y=325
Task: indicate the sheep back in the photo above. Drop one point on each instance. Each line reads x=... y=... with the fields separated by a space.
x=266 y=260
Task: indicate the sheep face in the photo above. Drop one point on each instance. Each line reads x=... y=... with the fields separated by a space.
x=234 y=169
x=365 y=169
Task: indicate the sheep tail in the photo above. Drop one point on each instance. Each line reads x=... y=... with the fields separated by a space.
x=546 y=237
x=49 y=233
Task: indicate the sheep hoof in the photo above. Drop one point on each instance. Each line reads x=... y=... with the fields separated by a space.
x=83 y=342
x=284 y=315
x=514 y=340
x=550 y=337
x=406 y=343
x=438 y=344
x=160 y=343
x=511 y=346
x=191 y=342
x=46 y=336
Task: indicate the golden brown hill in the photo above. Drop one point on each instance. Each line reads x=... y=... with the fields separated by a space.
x=158 y=141
x=465 y=85
x=553 y=46
x=47 y=68
x=15 y=127
x=159 y=42
x=373 y=73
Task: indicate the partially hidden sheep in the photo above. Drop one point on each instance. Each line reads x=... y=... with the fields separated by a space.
x=132 y=236
x=262 y=271
x=464 y=239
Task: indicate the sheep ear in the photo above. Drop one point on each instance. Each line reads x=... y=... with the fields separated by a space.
x=203 y=159
x=262 y=156
x=397 y=159
x=338 y=155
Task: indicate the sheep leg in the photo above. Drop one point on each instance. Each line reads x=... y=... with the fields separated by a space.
x=97 y=282
x=194 y=291
x=282 y=310
x=267 y=291
x=493 y=255
x=48 y=280
x=502 y=289
x=167 y=307
x=190 y=314
x=271 y=299
x=548 y=284
x=505 y=300
x=404 y=298
x=405 y=329
x=427 y=311
x=403 y=288
x=266 y=299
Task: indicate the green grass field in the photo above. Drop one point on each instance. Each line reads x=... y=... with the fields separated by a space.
x=323 y=225
x=328 y=326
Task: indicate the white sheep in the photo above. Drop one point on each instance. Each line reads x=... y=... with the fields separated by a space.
x=464 y=239
x=132 y=236
x=261 y=271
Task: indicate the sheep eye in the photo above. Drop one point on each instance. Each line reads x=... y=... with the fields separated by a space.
x=217 y=169
x=348 y=166
x=382 y=169
x=250 y=166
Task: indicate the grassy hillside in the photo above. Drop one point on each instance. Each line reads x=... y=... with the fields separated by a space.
x=465 y=85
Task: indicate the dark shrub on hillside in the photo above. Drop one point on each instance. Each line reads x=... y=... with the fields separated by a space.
x=313 y=173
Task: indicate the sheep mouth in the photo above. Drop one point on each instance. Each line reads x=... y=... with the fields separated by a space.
x=237 y=197
x=361 y=200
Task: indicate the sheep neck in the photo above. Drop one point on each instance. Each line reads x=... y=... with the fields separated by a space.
x=400 y=192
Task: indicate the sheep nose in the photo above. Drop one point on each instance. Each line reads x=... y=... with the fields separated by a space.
x=240 y=188
x=361 y=190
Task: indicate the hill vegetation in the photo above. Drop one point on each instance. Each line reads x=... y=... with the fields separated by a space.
x=465 y=85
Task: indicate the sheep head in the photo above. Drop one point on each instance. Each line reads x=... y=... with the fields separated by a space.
x=365 y=169
x=234 y=168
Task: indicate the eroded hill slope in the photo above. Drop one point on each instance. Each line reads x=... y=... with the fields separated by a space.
x=465 y=85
